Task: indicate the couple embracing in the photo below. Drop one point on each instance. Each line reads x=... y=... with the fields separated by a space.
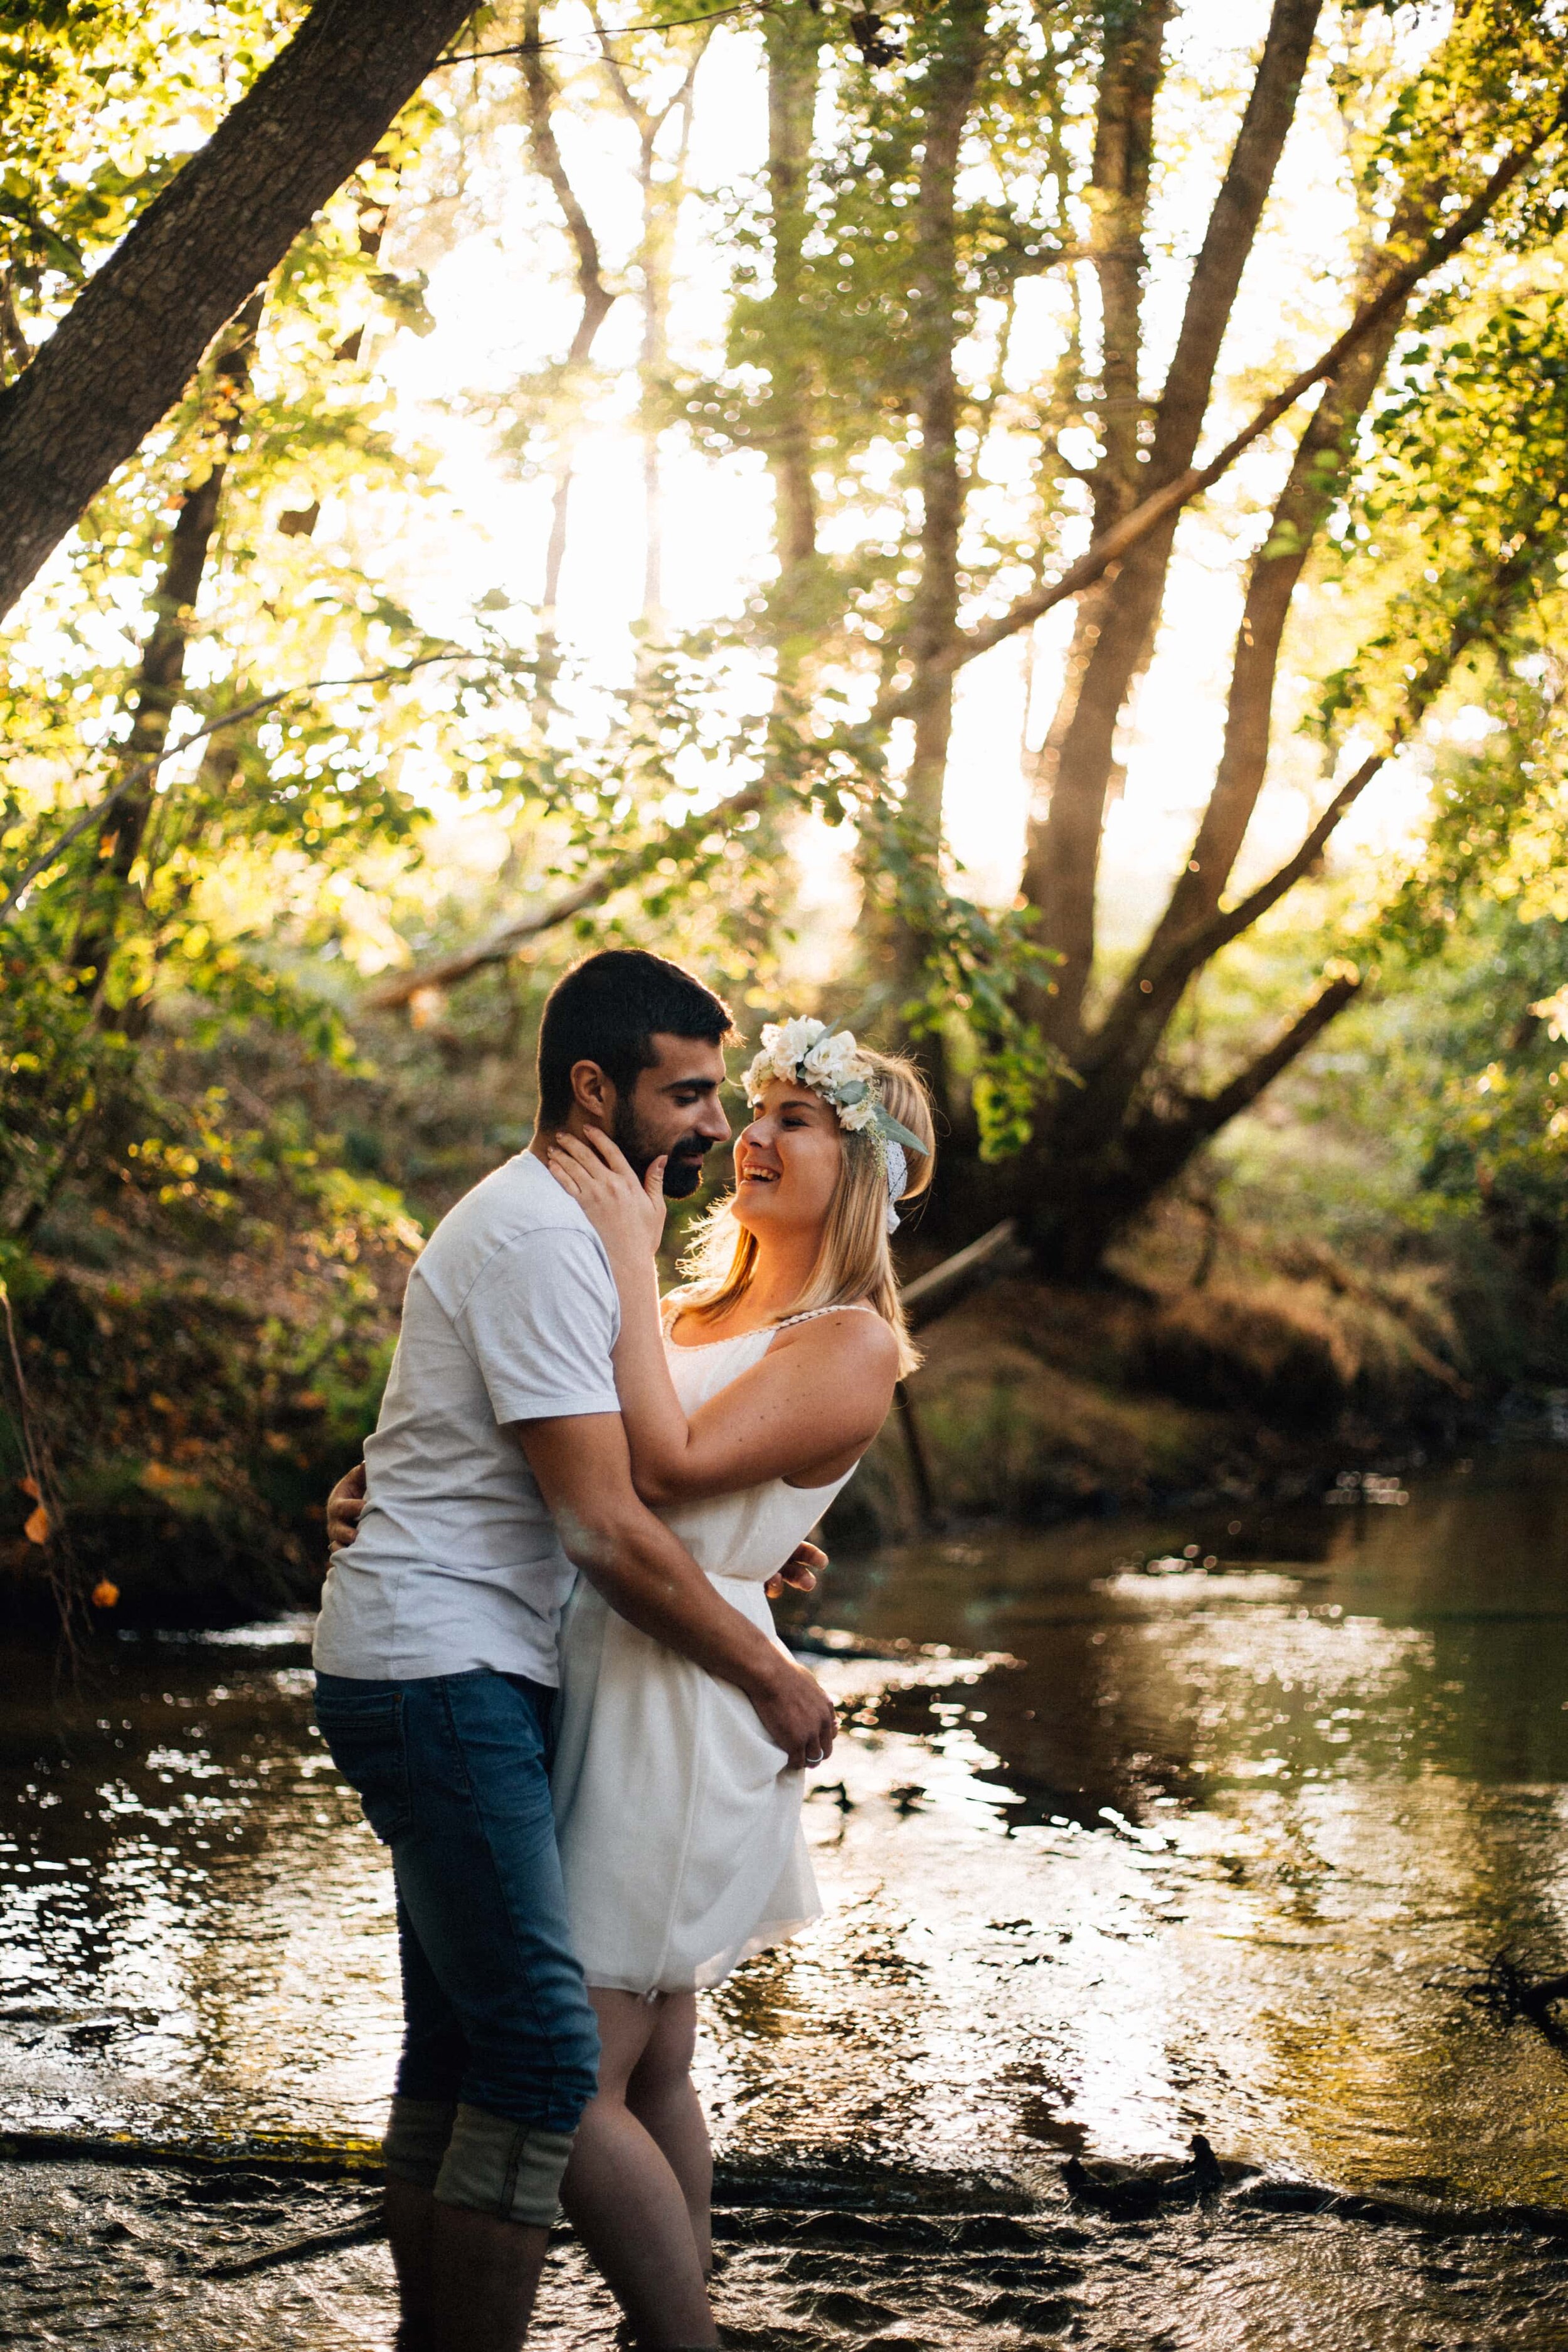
x=545 y=1658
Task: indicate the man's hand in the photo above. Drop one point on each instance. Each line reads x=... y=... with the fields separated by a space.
x=799 y=1571
x=648 y=1576
x=344 y=1505
x=797 y=1714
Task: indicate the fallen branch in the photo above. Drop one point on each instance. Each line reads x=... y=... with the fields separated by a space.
x=932 y=1295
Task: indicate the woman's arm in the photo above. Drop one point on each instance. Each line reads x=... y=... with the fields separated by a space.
x=806 y=1412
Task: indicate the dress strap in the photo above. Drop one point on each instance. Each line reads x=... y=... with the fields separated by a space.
x=839 y=1307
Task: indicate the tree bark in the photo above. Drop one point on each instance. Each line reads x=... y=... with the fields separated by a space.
x=125 y=350
x=1064 y=856
x=953 y=76
x=597 y=301
x=162 y=666
x=793 y=35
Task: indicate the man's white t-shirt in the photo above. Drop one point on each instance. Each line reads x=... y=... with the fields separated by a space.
x=511 y=1316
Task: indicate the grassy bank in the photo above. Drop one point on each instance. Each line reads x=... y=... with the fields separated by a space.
x=205 y=1314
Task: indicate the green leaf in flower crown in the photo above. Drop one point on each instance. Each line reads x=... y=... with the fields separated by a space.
x=853 y=1090
x=891 y=1132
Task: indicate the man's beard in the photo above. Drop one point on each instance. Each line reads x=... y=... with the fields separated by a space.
x=682 y=1169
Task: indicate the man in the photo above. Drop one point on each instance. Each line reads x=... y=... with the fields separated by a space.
x=497 y=1468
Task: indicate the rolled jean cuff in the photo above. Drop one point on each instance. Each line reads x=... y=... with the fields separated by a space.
x=418 y=2132
x=510 y=2169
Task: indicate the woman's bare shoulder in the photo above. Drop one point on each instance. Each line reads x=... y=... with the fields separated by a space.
x=851 y=1336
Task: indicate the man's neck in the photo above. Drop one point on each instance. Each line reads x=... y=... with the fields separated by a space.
x=543 y=1137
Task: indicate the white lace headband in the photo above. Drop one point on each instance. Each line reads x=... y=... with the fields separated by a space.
x=809 y=1054
x=898 y=1181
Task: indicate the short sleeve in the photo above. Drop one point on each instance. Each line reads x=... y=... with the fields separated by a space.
x=540 y=1322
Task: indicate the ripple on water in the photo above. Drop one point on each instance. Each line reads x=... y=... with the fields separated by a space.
x=1108 y=1858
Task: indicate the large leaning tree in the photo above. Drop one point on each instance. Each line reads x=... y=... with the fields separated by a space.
x=133 y=337
x=929 y=171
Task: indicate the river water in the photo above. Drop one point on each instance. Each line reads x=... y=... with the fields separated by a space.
x=1216 y=1824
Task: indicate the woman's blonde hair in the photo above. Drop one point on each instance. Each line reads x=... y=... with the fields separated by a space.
x=854 y=1262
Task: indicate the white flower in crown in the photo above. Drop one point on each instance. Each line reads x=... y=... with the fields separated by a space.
x=785 y=1045
x=807 y=1052
x=834 y=1059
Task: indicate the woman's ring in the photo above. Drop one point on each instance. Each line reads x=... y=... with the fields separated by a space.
x=815 y=1759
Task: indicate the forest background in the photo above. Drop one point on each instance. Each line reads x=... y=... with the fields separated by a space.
x=1035 y=531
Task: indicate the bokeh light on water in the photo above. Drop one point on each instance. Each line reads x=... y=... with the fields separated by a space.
x=1110 y=1853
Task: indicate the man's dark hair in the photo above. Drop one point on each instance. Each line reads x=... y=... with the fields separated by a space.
x=608 y=1010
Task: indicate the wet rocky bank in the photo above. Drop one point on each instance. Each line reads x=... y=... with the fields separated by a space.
x=137 y=2253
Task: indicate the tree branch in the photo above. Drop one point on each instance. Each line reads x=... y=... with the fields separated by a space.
x=98 y=809
x=1151 y=512
x=130 y=343
x=935 y=1293
x=1231 y=233
x=1121 y=1049
x=1204 y=1116
x=598 y=300
x=446 y=970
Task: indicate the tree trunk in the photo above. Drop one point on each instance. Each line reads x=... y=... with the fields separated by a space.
x=131 y=343
x=1064 y=857
x=1065 y=847
x=792 y=34
x=597 y=299
x=163 y=667
x=1077 y=1205
x=662 y=201
x=953 y=64
x=1109 y=1150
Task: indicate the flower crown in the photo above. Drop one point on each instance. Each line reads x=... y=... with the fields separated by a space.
x=809 y=1054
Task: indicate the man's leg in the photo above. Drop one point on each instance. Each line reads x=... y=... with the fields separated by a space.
x=363 y=1723
x=479 y=1878
x=429 y=2077
x=410 y=2213
x=486 y=2276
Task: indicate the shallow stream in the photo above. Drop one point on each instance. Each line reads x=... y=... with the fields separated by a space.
x=1216 y=1825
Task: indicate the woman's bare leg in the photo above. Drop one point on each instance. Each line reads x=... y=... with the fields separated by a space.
x=663 y=2099
x=623 y=2197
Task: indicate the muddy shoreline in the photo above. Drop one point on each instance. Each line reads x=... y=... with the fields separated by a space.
x=146 y=2252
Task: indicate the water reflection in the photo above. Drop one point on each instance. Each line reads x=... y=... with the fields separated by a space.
x=1109 y=1855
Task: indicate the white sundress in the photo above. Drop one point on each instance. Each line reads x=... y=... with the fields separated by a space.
x=678 y=1817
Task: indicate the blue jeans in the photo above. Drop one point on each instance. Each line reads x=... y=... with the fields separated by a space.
x=452 y=1771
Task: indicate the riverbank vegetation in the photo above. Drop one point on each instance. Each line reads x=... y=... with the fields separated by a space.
x=703 y=485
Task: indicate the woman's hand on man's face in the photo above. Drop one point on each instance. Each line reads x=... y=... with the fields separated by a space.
x=628 y=1216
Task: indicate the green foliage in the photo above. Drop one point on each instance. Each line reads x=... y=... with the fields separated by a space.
x=90 y=91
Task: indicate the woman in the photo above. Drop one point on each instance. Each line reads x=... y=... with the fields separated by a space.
x=748 y=1398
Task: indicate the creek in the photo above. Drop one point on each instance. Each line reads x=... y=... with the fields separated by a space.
x=1221 y=1823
